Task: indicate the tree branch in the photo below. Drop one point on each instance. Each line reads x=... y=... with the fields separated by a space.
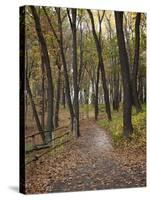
x=68 y=13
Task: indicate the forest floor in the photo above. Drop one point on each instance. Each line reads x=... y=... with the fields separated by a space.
x=90 y=162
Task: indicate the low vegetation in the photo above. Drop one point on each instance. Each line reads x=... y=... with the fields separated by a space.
x=114 y=127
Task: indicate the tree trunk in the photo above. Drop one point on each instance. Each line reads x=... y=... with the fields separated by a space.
x=35 y=114
x=63 y=96
x=114 y=80
x=120 y=93
x=93 y=91
x=86 y=97
x=61 y=46
x=75 y=73
x=116 y=91
x=136 y=64
x=56 y=119
x=81 y=53
x=128 y=45
x=144 y=91
x=127 y=100
x=44 y=50
x=99 y=52
x=140 y=90
x=43 y=94
x=96 y=92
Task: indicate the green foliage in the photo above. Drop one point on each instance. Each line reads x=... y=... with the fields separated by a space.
x=28 y=147
x=115 y=127
x=139 y=125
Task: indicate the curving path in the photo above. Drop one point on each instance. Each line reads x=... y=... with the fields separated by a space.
x=88 y=163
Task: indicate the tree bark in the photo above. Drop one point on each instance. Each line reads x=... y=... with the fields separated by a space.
x=81 y=53
x=43 y=93
x=127 y=100
x=144 y=91
x=116 y=91
x=136 y=64
x=75 y=71
x=128 y=45
x=56 y=119
x=44 y=50
x=140 y=90
x=96 y=92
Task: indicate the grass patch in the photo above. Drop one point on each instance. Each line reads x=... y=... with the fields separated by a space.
x=28 y=147
x=115 y=127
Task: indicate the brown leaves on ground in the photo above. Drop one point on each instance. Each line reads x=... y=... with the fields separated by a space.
x=87 y=163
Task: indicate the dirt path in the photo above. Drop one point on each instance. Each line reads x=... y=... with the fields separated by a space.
x=88 y=163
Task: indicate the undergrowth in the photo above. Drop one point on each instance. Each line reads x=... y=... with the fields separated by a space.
x=115 y=128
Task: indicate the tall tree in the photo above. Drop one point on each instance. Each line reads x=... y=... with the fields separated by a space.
x=43 y=93
x=128 y=33
x=42 y=86
x=75 y=69
x=127 y=99
x=101 y=66
x=60 y=42
x=136 y=63
x=116 y=81
x=81 y=50
x=113 y=59
x=100 y=19
x=56 y=116
x=44 y=51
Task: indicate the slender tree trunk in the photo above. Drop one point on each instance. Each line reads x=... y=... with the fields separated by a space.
x=140 y=89
x=42 y=86
x=81 y=53
x=116 y=91
x=67 y=88
x=96 y=92
x=63 y=96
x=110 y=86
x=45 y=55
x=128 y=45
x=136 y=64
x=61 y=46
x=86 y=97
x=43 y=94
x=114 y=83
x=35 y=114
x=56 y=119
x=127 y=100
x=120 y=92
x=144 y=91
x=93 y=91
x=99 y=52
x=75 y=73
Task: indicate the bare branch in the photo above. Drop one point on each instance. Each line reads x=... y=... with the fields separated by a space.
x=100 y=18
x=68 y=13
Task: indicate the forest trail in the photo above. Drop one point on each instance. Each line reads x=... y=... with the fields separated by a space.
x=87 y=163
